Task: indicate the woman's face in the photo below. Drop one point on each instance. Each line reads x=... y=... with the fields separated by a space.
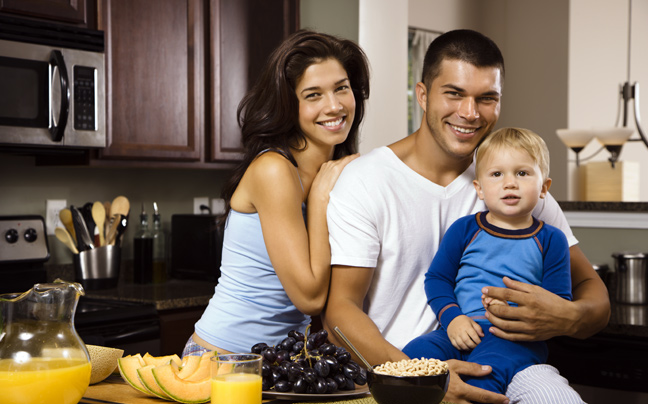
x=326 y=103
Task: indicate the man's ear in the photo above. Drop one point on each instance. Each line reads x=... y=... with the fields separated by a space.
x=545 y=188
x=478 y=188
x=421 y=95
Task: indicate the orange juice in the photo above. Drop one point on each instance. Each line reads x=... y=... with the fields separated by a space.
x=44 y=381
x=236 y=388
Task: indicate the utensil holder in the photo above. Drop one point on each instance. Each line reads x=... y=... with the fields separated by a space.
x=98 y=268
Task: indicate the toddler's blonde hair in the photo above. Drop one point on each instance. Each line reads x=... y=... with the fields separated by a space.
x=516 y=138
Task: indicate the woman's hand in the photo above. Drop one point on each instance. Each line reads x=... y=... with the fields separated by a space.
x=327 y=176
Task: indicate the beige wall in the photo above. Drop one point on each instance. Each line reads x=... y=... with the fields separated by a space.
x=598 y=61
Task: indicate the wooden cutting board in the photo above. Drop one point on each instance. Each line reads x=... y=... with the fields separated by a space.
x=114 y=390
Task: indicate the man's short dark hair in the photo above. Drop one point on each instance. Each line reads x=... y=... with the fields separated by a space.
x=464 y=45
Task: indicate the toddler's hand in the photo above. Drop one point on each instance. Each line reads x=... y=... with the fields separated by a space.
x=488 y=301
x=464 y=333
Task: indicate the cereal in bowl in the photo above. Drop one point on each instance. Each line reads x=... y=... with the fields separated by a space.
x=413 y=367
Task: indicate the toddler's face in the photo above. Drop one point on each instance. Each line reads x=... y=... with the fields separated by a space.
x=510 y=182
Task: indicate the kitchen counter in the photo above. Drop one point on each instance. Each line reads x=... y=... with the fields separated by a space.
x=172 y=294
x=169 y=295
x=114 y=390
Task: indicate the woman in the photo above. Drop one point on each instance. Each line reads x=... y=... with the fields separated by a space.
x=300 y=125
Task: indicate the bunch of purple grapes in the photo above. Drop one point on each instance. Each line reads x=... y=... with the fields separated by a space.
x=308 y=365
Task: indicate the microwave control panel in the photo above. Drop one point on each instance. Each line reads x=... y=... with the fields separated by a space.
x=85 y=110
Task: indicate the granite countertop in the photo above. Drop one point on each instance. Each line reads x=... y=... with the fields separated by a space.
x=628 y=207
x=168 y=295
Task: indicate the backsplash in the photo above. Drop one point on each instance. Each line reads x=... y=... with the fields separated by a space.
x=25 y=187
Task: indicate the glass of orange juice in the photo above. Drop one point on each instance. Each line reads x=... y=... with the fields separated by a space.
x=236 y=379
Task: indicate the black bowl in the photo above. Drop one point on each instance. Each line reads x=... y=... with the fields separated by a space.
x=388 y=389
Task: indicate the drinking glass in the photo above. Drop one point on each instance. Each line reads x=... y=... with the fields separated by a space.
x=236 y=379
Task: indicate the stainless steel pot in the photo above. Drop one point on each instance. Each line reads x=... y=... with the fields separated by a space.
x=631 y=277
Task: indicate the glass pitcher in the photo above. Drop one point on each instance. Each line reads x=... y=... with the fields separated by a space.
x=42 y=358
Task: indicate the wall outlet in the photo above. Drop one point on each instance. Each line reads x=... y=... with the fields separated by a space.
x=198 y=201
x=218 y=206
x=52 y=220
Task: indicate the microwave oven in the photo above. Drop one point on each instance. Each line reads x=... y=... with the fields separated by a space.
x=52 y=85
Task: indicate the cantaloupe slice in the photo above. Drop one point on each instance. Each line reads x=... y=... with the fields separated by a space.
x=189 y=365
x=204 y=368
x=128 y=366
x=145 y=375
x=104 y=361
x=180 y=390
x=161 y=360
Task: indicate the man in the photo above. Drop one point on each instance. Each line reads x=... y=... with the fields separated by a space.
x=390 y=209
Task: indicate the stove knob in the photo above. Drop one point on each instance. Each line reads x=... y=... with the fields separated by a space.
x=11 y=236
x=30 y=235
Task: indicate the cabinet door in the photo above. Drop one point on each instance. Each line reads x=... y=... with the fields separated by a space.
x=70 y=11
x=154 y=79
x=242 y=35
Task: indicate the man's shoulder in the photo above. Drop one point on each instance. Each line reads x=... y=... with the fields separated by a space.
x=367 y=165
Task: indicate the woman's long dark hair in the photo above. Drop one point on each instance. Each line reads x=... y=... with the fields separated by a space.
x=269 y=112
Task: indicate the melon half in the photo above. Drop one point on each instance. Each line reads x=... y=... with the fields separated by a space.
x=180 y=390
x=103 y=360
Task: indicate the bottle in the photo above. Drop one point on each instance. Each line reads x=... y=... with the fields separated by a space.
x=143 y=252
x=159 y=248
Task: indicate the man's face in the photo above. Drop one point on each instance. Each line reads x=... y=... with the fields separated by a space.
x=462 y=106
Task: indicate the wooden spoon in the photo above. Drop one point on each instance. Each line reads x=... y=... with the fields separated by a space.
x=66 y=218
x=120 y=206
x=65 y=237
x=99 y=217
x=107 y=206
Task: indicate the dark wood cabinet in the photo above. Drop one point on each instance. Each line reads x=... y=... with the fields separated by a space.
x=176 y=326
x=155 y=80
x=77 y=12
x=176 y=71
x=243 y=33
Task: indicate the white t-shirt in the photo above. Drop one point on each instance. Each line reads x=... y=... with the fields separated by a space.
x=384 y=215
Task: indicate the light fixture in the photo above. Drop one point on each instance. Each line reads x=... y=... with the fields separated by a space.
x=611 y=138
x=575 y=139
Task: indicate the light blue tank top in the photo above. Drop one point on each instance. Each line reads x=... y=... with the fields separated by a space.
x=249 y=304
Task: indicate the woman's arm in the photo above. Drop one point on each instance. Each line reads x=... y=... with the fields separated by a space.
x=300 y=256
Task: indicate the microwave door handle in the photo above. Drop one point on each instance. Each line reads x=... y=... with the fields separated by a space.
x=56 y=60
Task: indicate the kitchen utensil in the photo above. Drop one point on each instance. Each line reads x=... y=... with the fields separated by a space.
x=111 y=231
x=66 y=239
x=121 y=228
x=66 y=218
x=353 y=348
x=631 y=277
x=107 y=206
x=42 y=358
x=99 y=217
x=86 y=211
x=84 y=240
x=120 y=205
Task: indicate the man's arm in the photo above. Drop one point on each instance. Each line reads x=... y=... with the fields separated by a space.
x=541 y=315
x=349 y=287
